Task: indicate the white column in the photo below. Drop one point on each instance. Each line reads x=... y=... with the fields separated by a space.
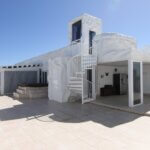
x=93 y=86
x=141 y=81
x=2 y=82
x=130 y=83
x=82 y=89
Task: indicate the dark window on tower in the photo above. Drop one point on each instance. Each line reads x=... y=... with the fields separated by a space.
x=91 y=36
x=76 y=31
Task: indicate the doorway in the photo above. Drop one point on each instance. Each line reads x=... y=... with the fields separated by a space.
x=89 y=79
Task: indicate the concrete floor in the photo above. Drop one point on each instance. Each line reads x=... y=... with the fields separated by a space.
x=121 y=101
x=115 y=100
x=47 y=125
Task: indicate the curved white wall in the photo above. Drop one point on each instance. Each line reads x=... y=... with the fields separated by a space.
x=114 y=47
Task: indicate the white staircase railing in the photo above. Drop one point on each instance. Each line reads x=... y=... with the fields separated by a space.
x=88 y=62
x=87 y=92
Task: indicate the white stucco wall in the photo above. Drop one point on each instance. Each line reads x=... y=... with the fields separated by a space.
x=89 y=23
x=58 y=78
x=112 y=47
x=146 y=79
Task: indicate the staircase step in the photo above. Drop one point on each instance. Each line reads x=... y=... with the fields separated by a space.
x=75 y=86
x=16 y=95
x=75 y=82
x=20 y=91
x=79 y=73
x=21 y=88
x=19 y=96
x=88 y=100
x=75 y=79
x=78 y=90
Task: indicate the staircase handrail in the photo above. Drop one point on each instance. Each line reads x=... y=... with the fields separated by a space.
x=85 y=80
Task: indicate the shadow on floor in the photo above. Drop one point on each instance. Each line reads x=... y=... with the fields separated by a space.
x=50 y=111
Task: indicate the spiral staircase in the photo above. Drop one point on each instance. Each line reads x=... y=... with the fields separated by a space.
x=78 y=82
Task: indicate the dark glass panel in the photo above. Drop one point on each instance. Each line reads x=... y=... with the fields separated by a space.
x=76 y=31
x=137 y=82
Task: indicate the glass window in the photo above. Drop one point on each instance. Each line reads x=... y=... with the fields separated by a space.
x=136 y=83
x=76 y=31
x=91 y=36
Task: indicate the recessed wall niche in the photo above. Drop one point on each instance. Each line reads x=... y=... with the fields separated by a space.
x=116 y=70
x=102 y=76
x=107 y=74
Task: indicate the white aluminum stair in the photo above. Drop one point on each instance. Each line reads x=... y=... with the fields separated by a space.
x=87 y=100
x=20 y=91
x=30 y=92
x=75 y=84
x=19 y=96
x=21 y=88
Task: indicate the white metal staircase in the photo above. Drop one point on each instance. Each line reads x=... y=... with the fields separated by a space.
x=77 y=82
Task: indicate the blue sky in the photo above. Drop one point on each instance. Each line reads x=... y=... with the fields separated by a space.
x=31 y=27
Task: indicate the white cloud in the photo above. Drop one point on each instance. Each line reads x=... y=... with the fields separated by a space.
x=114 y=4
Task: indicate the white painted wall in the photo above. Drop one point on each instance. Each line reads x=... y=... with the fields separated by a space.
x=146 y=79
x=101 y=70
x=89 y=23
x=58 y=78
x=113 y=47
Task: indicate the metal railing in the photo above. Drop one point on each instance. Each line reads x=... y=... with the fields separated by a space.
x=75 y=65
x=76 y=41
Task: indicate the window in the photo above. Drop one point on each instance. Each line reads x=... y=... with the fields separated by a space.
x=91 y=36
x=76 y=31
x=136 y=83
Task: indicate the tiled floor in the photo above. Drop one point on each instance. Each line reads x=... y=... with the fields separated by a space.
x=115 y=100
x=121 y=101
x=45 y=125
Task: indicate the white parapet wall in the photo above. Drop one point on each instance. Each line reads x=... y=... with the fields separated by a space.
x=113 y=47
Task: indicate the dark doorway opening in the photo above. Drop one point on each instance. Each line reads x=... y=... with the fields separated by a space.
x=89 y=78
x=42 y=77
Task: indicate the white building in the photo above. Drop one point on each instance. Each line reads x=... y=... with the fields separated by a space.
x=94 y=64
